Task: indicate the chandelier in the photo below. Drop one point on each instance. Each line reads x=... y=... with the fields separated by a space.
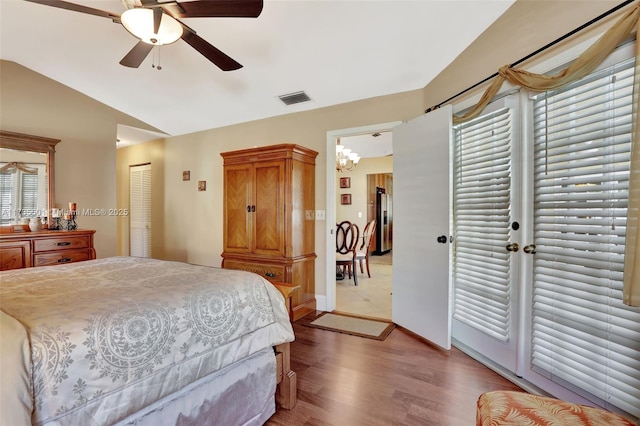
x=346 y=159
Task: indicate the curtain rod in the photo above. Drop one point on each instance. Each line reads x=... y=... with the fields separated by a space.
x=530 y=55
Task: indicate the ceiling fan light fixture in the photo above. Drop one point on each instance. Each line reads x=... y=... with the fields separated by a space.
x=139 y=22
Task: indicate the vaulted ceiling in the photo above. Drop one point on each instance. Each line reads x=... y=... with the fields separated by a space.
x=336 y=51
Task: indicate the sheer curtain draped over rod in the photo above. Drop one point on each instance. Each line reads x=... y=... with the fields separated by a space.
x=587 y=62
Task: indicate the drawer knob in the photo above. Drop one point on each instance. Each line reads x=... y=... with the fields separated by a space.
x=64 y=243
x=64 y=260
x=270 y=274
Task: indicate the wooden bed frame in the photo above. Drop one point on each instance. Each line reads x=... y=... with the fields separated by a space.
x=286 y=390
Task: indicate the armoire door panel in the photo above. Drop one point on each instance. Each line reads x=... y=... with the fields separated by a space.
x=237 y=232
x=269 y=218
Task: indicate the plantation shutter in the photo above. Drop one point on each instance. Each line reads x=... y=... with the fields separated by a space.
x=29 y=194
x=482 y=203
x=6 y=206
x=140 y=210
x=583 y=335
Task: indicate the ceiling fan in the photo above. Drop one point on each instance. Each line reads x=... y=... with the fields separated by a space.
x=156 y=23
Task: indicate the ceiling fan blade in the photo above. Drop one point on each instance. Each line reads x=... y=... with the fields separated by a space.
x=220 y=59
x=78 y=8
x=134 y=58
x=215 y=9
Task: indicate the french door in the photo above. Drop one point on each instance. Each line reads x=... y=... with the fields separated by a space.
x=488 y=229
x=540 y=239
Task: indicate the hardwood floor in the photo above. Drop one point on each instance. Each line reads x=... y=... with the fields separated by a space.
x=349 y=381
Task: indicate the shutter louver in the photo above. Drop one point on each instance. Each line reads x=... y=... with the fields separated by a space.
x=482 y=215
x=583 y=335
x=29 y=195
x=6 y=205
x=140 y=210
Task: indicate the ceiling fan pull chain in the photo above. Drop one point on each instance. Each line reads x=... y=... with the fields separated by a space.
x=158 y=67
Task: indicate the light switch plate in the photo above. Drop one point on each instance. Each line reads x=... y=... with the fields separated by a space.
x=320 y=215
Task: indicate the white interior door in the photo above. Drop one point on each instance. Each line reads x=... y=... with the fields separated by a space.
x=421 y=188
x=140 y=211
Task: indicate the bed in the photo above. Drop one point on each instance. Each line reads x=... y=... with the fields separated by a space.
x=142 y=342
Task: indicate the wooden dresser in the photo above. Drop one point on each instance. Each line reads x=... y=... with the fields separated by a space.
x=269 y=217
x=42 y=248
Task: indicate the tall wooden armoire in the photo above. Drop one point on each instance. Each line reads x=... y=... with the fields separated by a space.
x=269 y=217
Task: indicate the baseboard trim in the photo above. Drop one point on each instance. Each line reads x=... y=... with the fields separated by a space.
x=321 y=302
x=519 y=381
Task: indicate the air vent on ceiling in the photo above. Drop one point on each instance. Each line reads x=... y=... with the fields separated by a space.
x=294 y=98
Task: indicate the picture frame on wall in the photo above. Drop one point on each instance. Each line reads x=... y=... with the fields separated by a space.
x=345 y=182
x=345 y=199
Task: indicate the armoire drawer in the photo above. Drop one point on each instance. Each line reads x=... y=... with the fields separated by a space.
x=62 y=243
x=270 y=272
x=60 y=257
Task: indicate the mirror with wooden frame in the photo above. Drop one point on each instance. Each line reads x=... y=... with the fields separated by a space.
x=24 y=190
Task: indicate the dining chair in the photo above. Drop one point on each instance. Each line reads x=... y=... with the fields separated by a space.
x=347 y=236
x=362 y=254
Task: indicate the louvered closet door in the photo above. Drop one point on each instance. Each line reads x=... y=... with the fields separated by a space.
x=140 y=211
x=485 y=208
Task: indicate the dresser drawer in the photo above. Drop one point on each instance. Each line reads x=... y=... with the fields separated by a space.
x=62 y=243
x=270 y=272
x=61 y=256
x=15 y=255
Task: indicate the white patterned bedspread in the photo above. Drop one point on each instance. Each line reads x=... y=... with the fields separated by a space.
x=110 y=336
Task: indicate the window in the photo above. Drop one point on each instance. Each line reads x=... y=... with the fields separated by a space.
x=6 y=183
x=583 y=336
x=23 y=188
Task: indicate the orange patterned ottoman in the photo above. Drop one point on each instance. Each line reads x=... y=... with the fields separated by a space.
x=497 y=408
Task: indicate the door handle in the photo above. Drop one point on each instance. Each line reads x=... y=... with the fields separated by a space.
x=442 y=239
x=531 y=249
x=513 y=247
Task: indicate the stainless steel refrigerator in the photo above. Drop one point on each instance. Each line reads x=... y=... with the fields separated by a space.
x=384 y=223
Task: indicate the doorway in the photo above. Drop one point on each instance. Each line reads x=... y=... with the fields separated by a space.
x=372 y=296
